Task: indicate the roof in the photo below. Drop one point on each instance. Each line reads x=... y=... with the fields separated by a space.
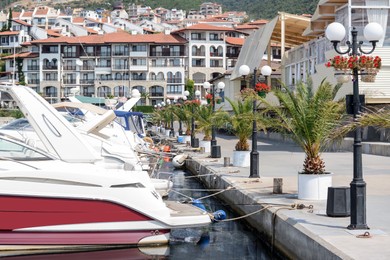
x=10 y=33
x=235 y=41
x=54 y=33
x=78 y=20
x=22 y=55
x=323 y=15
x=117 y=37
x=22 y=22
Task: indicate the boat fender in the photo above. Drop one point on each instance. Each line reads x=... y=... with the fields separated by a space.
x=219 y=215
x=179 y=160
x=198 y=204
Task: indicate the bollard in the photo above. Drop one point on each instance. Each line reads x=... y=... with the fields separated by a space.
x=278 y=186
x=226 y=161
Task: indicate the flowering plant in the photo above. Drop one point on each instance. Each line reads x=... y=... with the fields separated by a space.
x=248 y=93
x=192 y=102
x=349 y=63
x=369 y=62
x=209 y=96
x=262 y=87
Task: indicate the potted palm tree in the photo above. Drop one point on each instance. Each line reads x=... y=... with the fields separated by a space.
x=309 y=118
x=205 y=120
x=240 y=121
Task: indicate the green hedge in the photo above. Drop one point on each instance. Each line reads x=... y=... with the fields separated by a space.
x=144 y=109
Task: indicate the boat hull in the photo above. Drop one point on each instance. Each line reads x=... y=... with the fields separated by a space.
x=29 y=220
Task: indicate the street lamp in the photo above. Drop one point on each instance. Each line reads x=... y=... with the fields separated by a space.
x=254 y=160
x=215 y=149
x=335 y=33
x=180 y=123
x=172 y=132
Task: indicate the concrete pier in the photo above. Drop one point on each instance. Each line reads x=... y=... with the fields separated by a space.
x=301 y=229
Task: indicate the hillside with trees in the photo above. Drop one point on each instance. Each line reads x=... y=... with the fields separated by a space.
x=265 y=9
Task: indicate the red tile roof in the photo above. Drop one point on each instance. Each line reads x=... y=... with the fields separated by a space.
x=22 y=55
x=9 y=33
x=53 y=33
x=27 y=14
x=246 y=27
x=118 y=37
x=235 y=40
x=41 y=11
x=78 y=20
x=22 y=23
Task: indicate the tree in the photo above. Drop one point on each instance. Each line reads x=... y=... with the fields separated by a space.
x=309 y=118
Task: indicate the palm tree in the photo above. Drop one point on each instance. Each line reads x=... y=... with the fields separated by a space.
x=241 y=120
x=309 y=118
x=205 y=120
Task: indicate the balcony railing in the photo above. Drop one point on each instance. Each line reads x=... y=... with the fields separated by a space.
x=69 y=67
x=87 y=68
x=69 y=81
x=198 y=65
x=198 y=38
x=199 y=53
x=156 y=94
x=121 y=67
x=103 y=54
x=87 y=81
x=199 y=80
x=50 y=67
x=216 y=54
x=33 y=81
x=174 y=81
x=32 y=67
x=121 y=53
x=166 y=54
x=51 y=79
x=71 y=54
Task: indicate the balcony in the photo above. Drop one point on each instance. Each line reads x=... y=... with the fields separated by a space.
x=69 y=81
x=121 y=67
x=198 y=38
x=216 y=54
x=166 y=54
x=87 y=81
x=69 y=67
x=32 y=67
x=50 y=67
x=103 y=54
x=199 y=53
x=87 y=68
x=175 y=81
x=121 y=53
x=33 y=81
x=156 y=94
x=69 y=54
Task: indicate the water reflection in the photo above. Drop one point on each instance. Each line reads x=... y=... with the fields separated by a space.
x=222 y=240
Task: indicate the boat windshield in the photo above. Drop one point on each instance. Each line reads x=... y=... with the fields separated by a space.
x=19 y=152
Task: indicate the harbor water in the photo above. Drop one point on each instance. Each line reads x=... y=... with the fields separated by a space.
x=226 y=240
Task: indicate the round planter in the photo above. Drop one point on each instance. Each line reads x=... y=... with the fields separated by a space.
x=206 y=145
x=343 y=78
x=185 y=139
x=241 y=158
x=314 y=186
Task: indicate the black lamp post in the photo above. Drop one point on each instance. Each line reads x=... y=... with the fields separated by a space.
x=180 y=123
x=254 y=159
x=215 y=149
x=335 y=32
x=194 y=141
x=172 y=132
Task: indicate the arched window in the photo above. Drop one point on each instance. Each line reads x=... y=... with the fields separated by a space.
x=118 y=76
x=103 y=91
x=121 y=91
x=160 y=76
x=152 y=76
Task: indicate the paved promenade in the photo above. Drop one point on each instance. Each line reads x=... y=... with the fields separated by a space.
x=304 y=234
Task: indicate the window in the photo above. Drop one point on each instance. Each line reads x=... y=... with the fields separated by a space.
x=138 y=62
x=50 y=49
x=138 y=48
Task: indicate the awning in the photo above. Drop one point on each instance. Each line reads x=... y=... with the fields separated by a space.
x=285 y=29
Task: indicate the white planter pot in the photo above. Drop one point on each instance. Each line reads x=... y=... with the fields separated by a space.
x=314 y=186
x=206 y=145
x=185 y=139
x=241 y=158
